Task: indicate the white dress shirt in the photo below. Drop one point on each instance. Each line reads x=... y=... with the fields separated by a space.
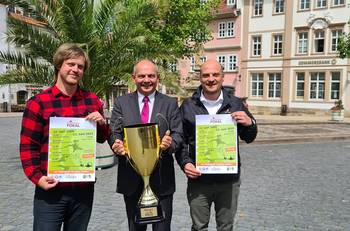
x=212 y=106
x=151 y=98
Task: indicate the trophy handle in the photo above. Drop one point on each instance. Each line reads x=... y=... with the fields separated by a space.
x=165 y=121
x=118 y=126
x=161 y=116
x=127 y=154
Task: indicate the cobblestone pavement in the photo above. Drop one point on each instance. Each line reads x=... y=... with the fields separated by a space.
x=302 y=132
x=285 y=187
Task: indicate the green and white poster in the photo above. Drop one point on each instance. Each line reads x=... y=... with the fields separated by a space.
x=72 y=149
x=216 y=144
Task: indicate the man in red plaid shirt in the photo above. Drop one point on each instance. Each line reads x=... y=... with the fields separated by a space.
x=57 y=202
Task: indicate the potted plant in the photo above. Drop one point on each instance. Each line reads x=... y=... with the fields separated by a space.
x=338 y=111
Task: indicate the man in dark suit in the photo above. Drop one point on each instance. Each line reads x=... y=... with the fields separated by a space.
x=147 y=105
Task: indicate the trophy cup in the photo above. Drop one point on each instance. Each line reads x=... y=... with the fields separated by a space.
x=142 y=145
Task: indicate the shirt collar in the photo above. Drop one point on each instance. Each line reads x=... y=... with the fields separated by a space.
x=57 y=92
x=150 y=97
x=220 y=99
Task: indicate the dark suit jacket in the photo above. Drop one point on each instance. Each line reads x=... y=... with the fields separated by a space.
x=126 y=112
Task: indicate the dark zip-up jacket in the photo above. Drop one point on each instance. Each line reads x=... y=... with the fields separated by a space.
x=193 y=106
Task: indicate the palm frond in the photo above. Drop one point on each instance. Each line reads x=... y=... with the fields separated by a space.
x=21 y=60
x=42 y=76
x=34 y=39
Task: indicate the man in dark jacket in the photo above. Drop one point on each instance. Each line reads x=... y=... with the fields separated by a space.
x=205 y=189
x=130 y=109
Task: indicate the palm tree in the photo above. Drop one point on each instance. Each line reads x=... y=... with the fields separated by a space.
x=115 y=33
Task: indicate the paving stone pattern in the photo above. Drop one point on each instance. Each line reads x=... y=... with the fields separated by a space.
x=285 y=187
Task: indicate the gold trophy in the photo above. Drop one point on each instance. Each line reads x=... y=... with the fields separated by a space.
x=142 y=145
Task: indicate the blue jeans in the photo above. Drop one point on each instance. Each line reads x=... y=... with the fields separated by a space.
x=69 y=206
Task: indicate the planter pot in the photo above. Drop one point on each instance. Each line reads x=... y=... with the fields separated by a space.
x=338 y=115
x=105 y=158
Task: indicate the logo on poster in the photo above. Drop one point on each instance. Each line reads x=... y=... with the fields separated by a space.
x=73 y=124
x=214 y=120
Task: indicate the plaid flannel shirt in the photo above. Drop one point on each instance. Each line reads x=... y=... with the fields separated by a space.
x=35 y=126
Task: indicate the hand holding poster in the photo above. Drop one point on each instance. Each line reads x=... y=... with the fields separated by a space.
x=216 y=144
x=72 y=148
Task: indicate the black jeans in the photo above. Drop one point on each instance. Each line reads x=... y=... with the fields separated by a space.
x=71 y=206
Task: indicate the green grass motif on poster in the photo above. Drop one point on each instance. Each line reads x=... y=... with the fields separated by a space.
x=71 y=149
x=216 y=144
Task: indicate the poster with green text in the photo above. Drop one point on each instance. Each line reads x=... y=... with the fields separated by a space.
x=216 y=144
x=72 y=149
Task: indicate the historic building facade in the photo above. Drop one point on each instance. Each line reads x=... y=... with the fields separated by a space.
x=224 y=47
x=281 y=55
x=289 y=58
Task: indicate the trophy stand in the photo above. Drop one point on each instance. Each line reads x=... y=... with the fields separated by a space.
x=142 y=145
x=149 y=209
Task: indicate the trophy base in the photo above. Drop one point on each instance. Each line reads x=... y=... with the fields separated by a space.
x=149 y=214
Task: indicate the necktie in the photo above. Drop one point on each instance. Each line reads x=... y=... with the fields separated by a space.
x=145 y=110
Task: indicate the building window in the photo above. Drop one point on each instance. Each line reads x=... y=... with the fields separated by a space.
x=256 y=45
x=222 y=61
x=11 y=9
x=228 y=62
x=173 y=66
x=222 y=29
x=279 y=6
x=258 y=7
x=304 y=5
x=300 y=85
x=230 y=29
x=257 y=84
x=232 y=63
x=321 y=3
x=277 y=44
x=302 y=42
x=196 y=63
x=274 y=85
x=338 y=2
x=317 y=85
x=17 y=10
x=193 y=64
x=319 y=41
x=335 y=85
x=231 y=2
x=336 y=34
x=226 y=29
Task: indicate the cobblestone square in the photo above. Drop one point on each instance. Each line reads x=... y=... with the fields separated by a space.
x=285 y=187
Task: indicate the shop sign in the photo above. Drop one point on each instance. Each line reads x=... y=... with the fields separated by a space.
x=317 y=62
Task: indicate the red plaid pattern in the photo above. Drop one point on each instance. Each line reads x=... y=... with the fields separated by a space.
x=35 y=125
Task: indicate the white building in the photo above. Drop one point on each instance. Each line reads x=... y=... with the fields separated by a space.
x=12 y=96
x=291 y=58
x=3 y=29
